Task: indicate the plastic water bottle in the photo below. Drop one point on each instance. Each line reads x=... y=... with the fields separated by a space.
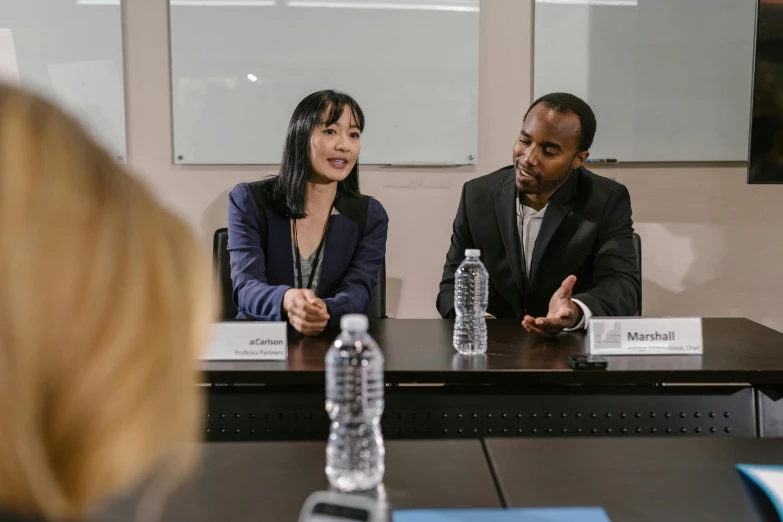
x=354 y=402
x=471 y=297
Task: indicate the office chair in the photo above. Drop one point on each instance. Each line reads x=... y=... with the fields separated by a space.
x=637 y=245
x=228 y=311
x=222 y=268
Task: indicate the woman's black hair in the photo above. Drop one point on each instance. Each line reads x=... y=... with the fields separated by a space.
x=287 y=192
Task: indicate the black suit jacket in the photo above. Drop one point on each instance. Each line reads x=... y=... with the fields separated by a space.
x=587 y=231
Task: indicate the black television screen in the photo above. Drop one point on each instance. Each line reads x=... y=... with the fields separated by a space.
x=766 y=130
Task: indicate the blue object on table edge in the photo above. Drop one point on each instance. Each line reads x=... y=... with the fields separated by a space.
x=766 y=502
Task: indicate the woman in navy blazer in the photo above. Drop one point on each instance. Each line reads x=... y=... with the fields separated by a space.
x=306 y=247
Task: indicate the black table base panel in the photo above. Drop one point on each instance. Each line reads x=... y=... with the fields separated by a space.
x=769 y=405
x=256 y=413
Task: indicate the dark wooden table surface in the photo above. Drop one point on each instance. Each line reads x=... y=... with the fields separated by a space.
x=252 y=482
x=634 y=480
x=420 y=351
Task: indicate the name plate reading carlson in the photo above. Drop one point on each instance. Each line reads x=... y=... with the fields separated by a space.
x=645 y=336
x=251 y=341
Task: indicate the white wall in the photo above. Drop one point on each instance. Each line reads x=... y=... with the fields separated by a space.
x=711 y=242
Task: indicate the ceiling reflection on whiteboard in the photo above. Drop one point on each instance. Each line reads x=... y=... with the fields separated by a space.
x=465 y=6
x=194 y=3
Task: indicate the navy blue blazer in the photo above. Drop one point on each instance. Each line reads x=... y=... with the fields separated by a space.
x=262 y=263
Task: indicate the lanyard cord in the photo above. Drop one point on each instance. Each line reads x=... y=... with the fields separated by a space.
x=317 y=254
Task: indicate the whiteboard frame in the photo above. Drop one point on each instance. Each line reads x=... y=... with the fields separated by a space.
x=471 y=159
x=739 y=162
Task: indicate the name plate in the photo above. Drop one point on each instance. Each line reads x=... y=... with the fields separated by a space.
x=251 y=341
x=645 y=336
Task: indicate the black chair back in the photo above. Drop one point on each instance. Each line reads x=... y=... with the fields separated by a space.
x=222 y=267
x=637 y=244
x=377 y=309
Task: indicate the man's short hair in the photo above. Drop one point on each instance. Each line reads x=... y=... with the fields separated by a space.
x=565 y=103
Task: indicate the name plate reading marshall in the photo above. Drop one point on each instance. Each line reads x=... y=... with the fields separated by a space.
x=645 y=336
x=251 y=341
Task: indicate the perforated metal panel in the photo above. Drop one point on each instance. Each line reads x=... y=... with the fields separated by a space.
x=279 y=413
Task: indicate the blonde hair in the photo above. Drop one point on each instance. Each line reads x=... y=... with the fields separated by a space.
x=104 y=304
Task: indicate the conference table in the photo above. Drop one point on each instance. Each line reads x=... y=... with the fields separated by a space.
x=270 y=481
x=633 y=480
x=522 y=387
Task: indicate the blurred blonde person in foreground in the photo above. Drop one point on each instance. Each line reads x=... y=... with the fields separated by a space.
x=104 y=306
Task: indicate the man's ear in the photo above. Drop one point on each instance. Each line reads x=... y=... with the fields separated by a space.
x=581 y=158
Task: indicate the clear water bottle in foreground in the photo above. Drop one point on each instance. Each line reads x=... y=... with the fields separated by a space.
x=471 y=297
x=354 y=402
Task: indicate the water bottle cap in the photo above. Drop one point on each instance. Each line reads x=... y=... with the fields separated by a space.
x=354 y=322
x=472 y=252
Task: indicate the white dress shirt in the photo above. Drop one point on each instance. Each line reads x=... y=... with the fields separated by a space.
x=529 y=225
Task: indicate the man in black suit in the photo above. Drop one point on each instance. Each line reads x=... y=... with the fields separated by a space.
x=556 y=239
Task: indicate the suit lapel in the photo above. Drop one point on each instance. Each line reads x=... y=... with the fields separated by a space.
x=340 y=245
x=279 y=256
x=558 y=208
x=506 y=213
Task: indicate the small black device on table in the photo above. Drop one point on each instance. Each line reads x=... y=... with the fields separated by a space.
x=587 y=362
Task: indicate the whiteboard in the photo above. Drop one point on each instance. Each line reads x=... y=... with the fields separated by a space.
x=240 y=67
x=668 y=80
x=71 y=52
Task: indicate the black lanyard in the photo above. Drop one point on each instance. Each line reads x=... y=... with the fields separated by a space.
x=317 y=254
